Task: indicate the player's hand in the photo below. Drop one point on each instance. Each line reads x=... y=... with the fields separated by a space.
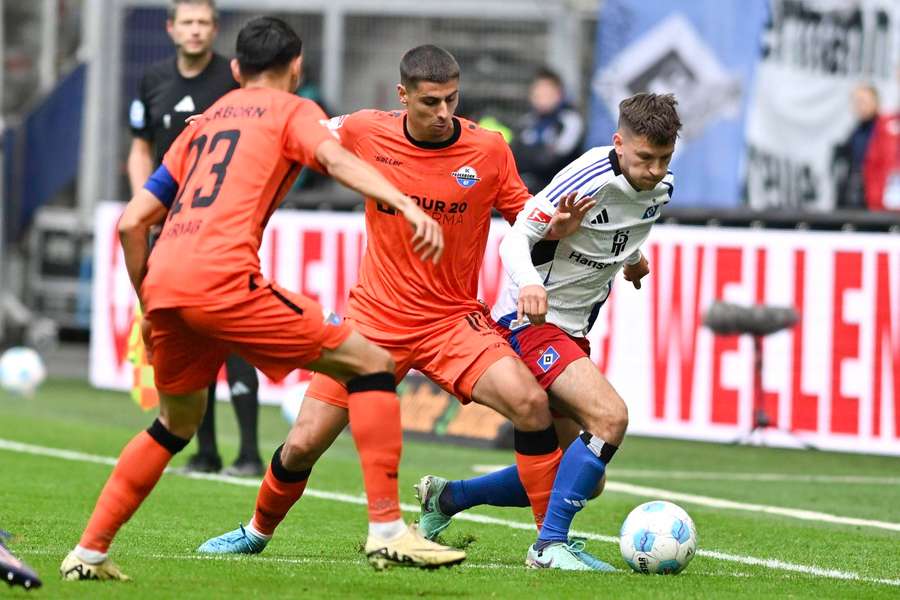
x=193 y=119
x=634 y=273
x=532 y=304
x=428 y=238
x=568 y=216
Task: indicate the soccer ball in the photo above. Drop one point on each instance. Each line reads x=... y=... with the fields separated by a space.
x=658 y=537
x=21 y=370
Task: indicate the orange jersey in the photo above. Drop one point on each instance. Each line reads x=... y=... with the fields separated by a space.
x=457 y=183
x=232 y=170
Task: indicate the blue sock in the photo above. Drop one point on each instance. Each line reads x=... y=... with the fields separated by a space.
x=580 y=470
x=500 y=488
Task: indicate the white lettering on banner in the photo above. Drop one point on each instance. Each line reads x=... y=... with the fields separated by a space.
x=833 y=380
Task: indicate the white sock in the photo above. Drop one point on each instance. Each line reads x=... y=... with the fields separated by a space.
x=389 y=530
x=256 y=532
x=90 y=556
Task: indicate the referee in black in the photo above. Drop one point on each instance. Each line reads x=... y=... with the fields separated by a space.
x=169 y=92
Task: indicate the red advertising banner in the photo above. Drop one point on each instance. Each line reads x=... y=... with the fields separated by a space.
x=832 y=381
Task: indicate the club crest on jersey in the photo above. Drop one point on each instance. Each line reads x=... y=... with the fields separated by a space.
x=466 y=176
x=548 y=359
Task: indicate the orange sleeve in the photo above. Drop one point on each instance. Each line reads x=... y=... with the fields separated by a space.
x=176 y=158
x=511 y=192
x=350 y=127
x=306 y=128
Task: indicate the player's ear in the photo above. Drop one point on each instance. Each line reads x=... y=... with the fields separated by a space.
x=236 y=70
x=618 y=141
x=402 y=94
x=297 y=66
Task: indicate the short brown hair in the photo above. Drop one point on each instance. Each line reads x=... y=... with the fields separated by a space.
x=427 y=63
x=174 y=4
x=652 y=116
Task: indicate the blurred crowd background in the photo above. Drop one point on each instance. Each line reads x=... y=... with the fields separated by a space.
x=789 y=107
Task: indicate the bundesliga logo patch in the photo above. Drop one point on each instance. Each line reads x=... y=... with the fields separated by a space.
x=548 y=359
x=539 y=216
x=466 y=176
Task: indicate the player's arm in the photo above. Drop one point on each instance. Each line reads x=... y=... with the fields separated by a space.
x=147 y=208
x=531 y=226
x=140 y=163
x=365 y=179
x=140 y=156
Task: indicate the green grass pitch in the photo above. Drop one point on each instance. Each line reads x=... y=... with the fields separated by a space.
x=46 y=501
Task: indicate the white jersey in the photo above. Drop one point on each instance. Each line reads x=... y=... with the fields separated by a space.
x=578 y=271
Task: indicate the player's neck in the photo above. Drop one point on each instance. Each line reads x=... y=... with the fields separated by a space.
x=191 y=66
x=266 y=80
x=423 y=135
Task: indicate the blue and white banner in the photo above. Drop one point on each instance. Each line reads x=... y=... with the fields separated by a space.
x=703 y=51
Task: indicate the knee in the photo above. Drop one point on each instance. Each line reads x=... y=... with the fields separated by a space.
x=300 y=450
x=619 y=418
x=531 y=412
x=378 y=360
x=609 y=421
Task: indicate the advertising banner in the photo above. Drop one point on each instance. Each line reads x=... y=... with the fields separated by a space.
x=832 y=381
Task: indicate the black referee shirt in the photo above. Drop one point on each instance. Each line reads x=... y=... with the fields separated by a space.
x=166 y=98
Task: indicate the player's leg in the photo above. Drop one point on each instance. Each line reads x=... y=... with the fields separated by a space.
x=368 y=372
x=183 y=363
x=207 y=458
x=509 y=388
x=498 y=488
x=243 y=386
x=583 y=392
x=139 y=467
x=314 y=430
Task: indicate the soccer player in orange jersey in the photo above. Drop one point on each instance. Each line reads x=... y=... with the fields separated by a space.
x=426 y=315
x=204 y=296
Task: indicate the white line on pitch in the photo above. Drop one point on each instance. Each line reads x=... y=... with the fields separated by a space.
x=722 y=476
x=357 y=499
x=794 y=513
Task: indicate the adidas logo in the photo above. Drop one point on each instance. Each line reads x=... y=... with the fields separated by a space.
x=239 y=388
x=601 y=218
x=186 y=104
x=576 y=503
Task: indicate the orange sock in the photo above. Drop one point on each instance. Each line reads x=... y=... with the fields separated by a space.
x=140 y=466
x=375 y=425
x=279 y=491
x=537 y=459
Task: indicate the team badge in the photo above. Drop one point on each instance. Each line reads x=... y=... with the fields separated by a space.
x=548 y=359
x=137 y=115
x=539 y=216
x=466 y=176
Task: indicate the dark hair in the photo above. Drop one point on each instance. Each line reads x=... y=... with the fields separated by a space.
x=266 y=43
x=174 y=4
x=652 y=116
x=548 y=74
x=427 y=63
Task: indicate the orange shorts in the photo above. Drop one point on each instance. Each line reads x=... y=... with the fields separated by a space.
x=275 y=330
x=452 y=353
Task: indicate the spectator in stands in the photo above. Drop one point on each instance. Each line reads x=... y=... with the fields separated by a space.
x=550 y=135
x=852 y=153
x=881 y=168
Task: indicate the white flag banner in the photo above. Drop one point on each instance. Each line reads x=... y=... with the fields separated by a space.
x=814 y=53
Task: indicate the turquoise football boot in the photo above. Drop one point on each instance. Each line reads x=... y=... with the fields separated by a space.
x=238 y=541
x=431 y=520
